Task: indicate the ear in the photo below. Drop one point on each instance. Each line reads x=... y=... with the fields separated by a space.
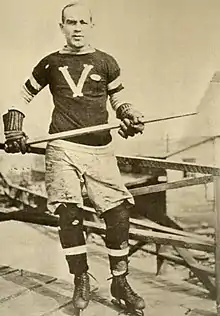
x=61 y=26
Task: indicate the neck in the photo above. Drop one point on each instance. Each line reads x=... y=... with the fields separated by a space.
x=78 y=51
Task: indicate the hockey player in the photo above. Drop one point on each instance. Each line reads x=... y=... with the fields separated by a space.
x=80 y=79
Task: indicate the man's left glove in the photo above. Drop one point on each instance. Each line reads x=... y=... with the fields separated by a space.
x=14 y=135
x=132 y=121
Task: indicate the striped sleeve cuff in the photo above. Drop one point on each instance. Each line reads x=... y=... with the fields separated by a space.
x=30 y=89
x=117 y=99
x=115 y=86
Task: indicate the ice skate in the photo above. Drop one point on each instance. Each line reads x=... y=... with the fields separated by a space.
x=81 y=294
x=125 y=297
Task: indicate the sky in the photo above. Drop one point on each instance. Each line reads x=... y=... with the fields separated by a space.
x=168 y=51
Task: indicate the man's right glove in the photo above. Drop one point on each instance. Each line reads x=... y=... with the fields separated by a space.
x=15 y=137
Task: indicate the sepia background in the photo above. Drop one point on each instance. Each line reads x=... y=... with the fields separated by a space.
x=168 y=51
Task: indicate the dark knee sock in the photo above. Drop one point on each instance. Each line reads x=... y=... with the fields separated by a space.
x=72 y=237
x=117 y=235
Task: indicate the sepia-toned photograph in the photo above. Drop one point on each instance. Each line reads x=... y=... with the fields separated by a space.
x=110 y=158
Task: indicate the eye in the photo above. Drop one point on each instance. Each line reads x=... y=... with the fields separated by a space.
x=70 y=22
x=83 y=22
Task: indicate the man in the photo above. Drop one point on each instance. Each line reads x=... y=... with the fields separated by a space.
x=80 y=79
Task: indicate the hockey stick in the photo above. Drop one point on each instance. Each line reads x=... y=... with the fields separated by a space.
x=87 y=130
x=97 y=128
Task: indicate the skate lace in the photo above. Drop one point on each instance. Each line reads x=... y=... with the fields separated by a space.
x=83 y=285
x=129 y=291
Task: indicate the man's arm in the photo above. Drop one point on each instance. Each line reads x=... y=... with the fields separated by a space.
x=131 y=119
x=13 y=119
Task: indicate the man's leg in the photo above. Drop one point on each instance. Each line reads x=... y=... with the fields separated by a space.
x=117 y=235
x=74 y=247
x=106 y=189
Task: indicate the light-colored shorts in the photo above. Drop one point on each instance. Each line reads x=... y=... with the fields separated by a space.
x=72 y=168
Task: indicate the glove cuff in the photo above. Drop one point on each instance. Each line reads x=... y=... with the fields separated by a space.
x=122 y=110
x=14 y=135
x=13 y=120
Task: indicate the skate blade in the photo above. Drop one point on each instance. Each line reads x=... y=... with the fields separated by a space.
x=125 y=309
x=78 y=311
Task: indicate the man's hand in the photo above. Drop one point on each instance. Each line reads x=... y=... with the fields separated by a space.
x=15 y=137
x=132 y=121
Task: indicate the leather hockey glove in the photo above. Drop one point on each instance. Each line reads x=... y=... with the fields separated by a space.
x=15 y=137
x=132 y=121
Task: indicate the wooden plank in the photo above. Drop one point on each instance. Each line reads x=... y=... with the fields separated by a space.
x=32 y=303
x=170 y=186
x=200 y=312
x=198 y=267
x=137 y=246
x=192 y=263
x=160 y=260
x=6 y=270
x=20 y=282
x=136 y=234
x=195 y=268
x=43 y=290
x=170 y=257
x=134 y=179
x=151 y=225
x=144 y=162
x=96 y=307
x=9 y=289
x=156 y=237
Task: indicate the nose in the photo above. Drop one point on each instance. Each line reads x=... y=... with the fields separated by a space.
x=78 y=27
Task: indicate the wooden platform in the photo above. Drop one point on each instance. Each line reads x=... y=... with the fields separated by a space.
x=34 y=280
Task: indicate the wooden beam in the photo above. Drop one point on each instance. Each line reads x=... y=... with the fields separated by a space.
x=99 y=228
x=180 y=261
x=170 y=186
x=195 y=268
x=166 y=164
x=192 y=263
x=144 y=162
x=158 y=238
x=154 y=226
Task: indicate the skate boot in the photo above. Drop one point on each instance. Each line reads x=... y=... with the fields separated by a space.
x=122 y=291
x=81 y=294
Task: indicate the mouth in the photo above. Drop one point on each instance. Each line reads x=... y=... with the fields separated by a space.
x=77 y=37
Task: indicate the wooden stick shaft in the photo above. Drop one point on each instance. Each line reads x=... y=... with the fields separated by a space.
x=94 y=129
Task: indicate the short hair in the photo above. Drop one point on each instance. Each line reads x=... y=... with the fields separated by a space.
x=73 y=4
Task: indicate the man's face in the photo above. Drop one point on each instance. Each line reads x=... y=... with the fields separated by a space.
x=77 y=26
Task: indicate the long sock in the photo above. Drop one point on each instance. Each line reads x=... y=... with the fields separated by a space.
x=72 y=237
x=117 y=234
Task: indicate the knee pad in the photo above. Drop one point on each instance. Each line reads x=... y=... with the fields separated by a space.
x=117 y=227
x=69 y=215
x=71 y=236
x=71 y=225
